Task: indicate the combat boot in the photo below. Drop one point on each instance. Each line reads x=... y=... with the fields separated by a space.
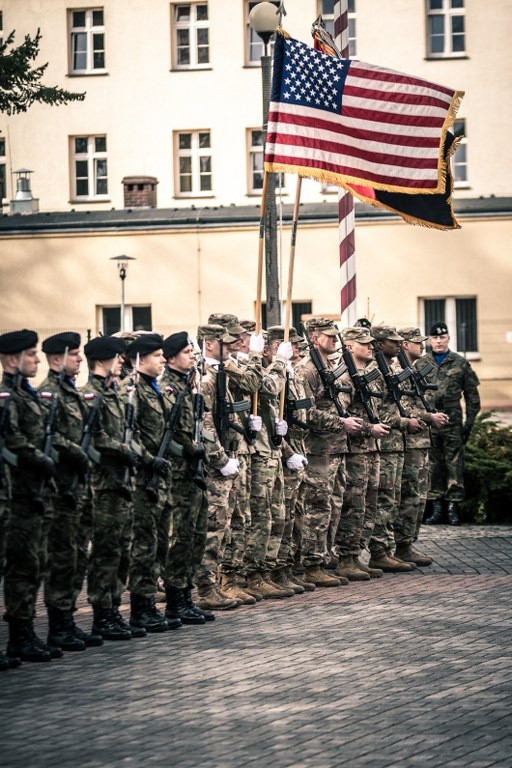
x=242 y=582
x=257 y=586
x=105 y=625
x=60 y=631
x=209 y=599
x=298 y=578
x=144 y=613
x=389 y=553
x=315 y=575
x=266 y=577
x=281 y=579
x=349 y=568
x=208 y=615
x=119 y=619
x=230 y=588
x=453 y=513
x=298 y=588
x=9 y=662
x=375 y=573
x=437 y=516
x=405 y=551
x=177 y=608
x=91 y=639
x=380 y=559
x=24 y=644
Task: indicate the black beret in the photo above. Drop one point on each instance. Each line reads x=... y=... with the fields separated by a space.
x=144 y=345
x=17 y=341
x=438 y=329
x=57 y=344
x=104 y=348
x=174 y=343
x=363 y=322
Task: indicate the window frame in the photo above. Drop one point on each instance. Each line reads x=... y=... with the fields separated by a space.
x=128 y=315
x=193 y=26
x=252 y=40
x=450 y=318
x=195 y=152
x=462 y=163
x=92 y=157
x=447 y=13
x=89 y=31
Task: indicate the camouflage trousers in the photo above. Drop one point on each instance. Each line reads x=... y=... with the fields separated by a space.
x=324 y=483
x=4 y=511
x=189 y=527
x=83 y=543
x=239 y=503
x=265 y=472
x=388 y=504
x=220 y=510
x=351 y=523
x=447 y=464
x=151 y=536
x=290 y=540
x=414 y=495
x=110 y=552
x=371 y=498
x=62 y=555
x=278 y=517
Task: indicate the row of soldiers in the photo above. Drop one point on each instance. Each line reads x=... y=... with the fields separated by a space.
x=248 y=471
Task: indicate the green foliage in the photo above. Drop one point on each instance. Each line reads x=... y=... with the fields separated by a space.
x=488 y=473
x=20 y=83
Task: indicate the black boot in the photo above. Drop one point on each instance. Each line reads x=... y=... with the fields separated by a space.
x=177 y=608
x=437 y=516
x=9 y=662
x=23 y=642
x=144 y=613
x=187 y=594
x=91 y=639
x=104 y=624
x=60 y=631
x=121 y=622
x=453 y=513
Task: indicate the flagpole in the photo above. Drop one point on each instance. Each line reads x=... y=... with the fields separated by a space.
x=259 y=279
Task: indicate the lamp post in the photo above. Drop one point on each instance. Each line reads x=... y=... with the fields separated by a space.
x=122 y=266
x=264 y=19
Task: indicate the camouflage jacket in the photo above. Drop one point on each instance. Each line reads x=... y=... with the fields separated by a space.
x=456 y=380
x=172 y=383
x=69 y=426
x=364 y=440
x=273 y=381
x=244 y=380
x=296 y=437
x=389 y=414
x=325 y=434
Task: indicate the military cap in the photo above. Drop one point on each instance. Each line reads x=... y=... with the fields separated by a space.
x=438 y=329
x=17 y=341
x=363 y=322
x=213 y=331
x=249 y=326
x=104 y=348
x=382 y=332
x=174 y=343
x=321 y=325
x=359 y=334
x=276 y=332
x=230 y=322
x=412 y=334
x=59 y=342
x=144 y=345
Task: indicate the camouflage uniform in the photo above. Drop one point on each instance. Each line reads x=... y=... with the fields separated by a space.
x=5 y=480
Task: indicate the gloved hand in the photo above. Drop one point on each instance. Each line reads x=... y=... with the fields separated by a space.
x=296 y=461
x=197 y=451
x=45 y=466
x=281 y=428
x=255 y=423
x=256 y=343
x=230 y=469
x=78 y=459
x=466 y=431
x=285 y=350
x=161 y=466
x=128 y=456
x=290 y=370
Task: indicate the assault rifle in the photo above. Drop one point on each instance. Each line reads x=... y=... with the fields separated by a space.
x=361 y=382
x=419 y=380
x=129 y=429
x=393 y=380
x=6 y=456
x=50 y=428
x=328 y=377
x=199 y=476
x=224 y=408
x=292 y=406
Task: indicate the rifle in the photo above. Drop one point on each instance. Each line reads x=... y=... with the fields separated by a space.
x=361 y=382
x=129 y=429
x=167 y=443
x=6 y=456
x=222 y=421
x=49 y=432
x=199 y=476
x=419 y=381
x=393 y=380
x=294 y=405
x=328 y=376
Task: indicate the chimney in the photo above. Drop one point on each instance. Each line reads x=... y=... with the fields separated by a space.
x=23 y=201
x=140 y=191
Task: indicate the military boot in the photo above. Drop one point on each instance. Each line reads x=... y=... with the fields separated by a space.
x=242 y=582
x=60 y=631
x=105 y=625
x=380 y=559
x=230 y=588
x=298 y=578
x=452 y=513
x=315 y=575
x=9 y=662
x=389 y=553
x=375 y=573
x=257 y=586
x=91 y=639
x=348 y=568
x=119 y=619
x=144 y=613
x=24 y=644
x=405 y=551
x=298 y=588
x=209 y=599
x=177 y=608
x=281 y=579
x=437 y=516
x=267 y=578
x=208 y=615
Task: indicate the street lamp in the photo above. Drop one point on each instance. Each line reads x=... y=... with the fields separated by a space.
x=122 y=266
x=264 y=20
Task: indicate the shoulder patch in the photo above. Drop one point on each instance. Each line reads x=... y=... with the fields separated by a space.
x=5 y=394
x=170 y=389
x=89 y=395
x=46 y=395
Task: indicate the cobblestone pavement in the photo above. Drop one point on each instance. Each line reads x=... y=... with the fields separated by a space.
x=410 y=670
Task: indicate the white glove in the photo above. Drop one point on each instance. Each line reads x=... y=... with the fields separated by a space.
x=296 y=461
x=281 y=428
x=285 y=349
x=255 y=423
x=256 y=342
x=231 y=468
x=290 y=370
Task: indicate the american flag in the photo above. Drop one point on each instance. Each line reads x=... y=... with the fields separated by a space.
x=347 y=122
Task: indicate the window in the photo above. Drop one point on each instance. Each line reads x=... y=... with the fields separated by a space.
x=135 y=319
x=3 y=187
x=87 y=41
x=191 y=35
x=326 y=9
x=255 y=143
x=89 y=167
x=300 y=309
x=460 y=157
x=446 y=28
x=193 y=165
x=254 y=43
x=460 y=316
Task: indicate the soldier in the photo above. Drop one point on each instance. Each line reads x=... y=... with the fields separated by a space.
x=416 y=463
x=112 y=485
x=59 y=391
x=189 y=502
x=456 y=380
x=25 y=553
x=326 y=444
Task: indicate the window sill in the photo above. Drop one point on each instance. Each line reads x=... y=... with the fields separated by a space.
x=88 y=200
x=473 y=357
x=103 y=73
x=258 y=194
x=462 y=185
x=195 y=196
x=192 y=68
x=447 y=57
